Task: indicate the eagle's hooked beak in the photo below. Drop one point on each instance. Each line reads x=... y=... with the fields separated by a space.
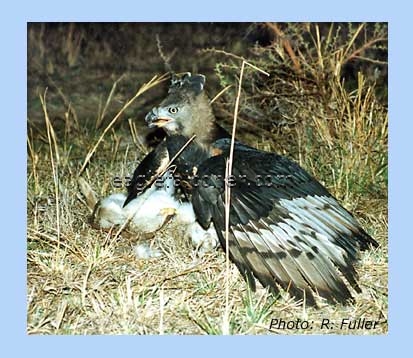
x=156 y=118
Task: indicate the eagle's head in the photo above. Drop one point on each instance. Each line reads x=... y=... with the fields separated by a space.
x=185 y=110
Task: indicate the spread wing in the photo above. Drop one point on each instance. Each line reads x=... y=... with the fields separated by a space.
x=286 y=230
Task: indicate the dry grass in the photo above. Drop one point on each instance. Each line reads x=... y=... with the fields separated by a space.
x=85 y=281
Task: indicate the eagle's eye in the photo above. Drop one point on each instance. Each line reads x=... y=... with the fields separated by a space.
x=173 y=110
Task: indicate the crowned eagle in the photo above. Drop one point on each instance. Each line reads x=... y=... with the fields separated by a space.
x=285 y=229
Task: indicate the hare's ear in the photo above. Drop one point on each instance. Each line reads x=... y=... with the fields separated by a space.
x=198 y=83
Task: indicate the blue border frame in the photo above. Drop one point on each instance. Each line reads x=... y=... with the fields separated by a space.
x=13 y=142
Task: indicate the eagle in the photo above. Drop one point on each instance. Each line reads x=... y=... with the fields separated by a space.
x=286 y=230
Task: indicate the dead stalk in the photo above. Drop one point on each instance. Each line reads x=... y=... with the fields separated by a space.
x=228 y=173
x=108 y=100
x=51 y=137
x=153 y=82
x=220 y=93
x=286 y=44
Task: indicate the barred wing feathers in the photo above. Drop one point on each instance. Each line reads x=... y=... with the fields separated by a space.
x=288 y=232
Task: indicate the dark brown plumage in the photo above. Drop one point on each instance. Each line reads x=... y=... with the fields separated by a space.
x=286 y=229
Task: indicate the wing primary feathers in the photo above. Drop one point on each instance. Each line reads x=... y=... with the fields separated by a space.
x=318 y=269
x=292 y=234
x=327 y=283
x=342 y=254
x=283 y=274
